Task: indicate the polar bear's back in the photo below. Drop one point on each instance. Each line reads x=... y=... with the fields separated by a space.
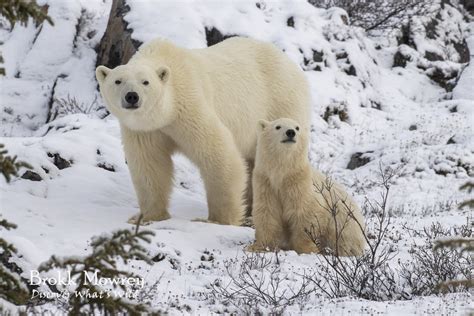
x=242 y=80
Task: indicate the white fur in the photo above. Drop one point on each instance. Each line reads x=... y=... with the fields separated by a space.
x=291 y=199
x=204 y=103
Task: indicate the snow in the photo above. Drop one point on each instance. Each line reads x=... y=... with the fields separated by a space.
x=60 y=214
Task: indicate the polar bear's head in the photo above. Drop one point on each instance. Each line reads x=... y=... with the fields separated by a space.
x=283 y=136
x=136 y=94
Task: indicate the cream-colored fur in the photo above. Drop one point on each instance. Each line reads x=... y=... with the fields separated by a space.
x=204 y=103
x=293 y=202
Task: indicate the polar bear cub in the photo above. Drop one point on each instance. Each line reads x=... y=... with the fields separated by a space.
x=294 y=206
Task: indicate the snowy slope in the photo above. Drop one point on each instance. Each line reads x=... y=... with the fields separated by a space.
x=393 y=116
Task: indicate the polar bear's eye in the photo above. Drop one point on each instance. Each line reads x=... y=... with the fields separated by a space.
x=146 y=82
x=278 y=127
x=297 y=128
x=118 y=82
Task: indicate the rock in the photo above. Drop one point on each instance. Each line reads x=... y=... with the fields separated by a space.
x=214 y=36
x=447 y=80
x=412 y=127
x=405 y=37
x=430 y=28
x=463 y=51
x=358 y=161
x=338 y=109
x=433 y=56
x=375 y=105
x=117 y=46
x=159 y=257
x=291 y=22
x=59 y=161
x=351 y=71
x=468 y=5
x=31 y=175
x=318 y=56
x=341 y=55
x=400 y=60
x=106 y=166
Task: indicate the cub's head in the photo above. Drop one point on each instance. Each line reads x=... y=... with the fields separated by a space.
x=135 y=94
x=282 y=136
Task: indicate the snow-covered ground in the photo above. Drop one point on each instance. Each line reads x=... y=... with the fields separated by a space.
x=394 y=117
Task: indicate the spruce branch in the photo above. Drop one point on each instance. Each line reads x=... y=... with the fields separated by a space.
x=9 y=166
x=12 y=287
x=107 y=252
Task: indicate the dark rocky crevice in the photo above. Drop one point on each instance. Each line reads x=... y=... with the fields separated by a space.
x=358 y=160
x=214 y=36
x=117 y=46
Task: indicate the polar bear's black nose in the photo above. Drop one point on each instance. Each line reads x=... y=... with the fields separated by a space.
x=290 y=133
x=131 y=98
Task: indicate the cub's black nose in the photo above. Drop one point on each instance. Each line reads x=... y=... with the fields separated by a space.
x=290 y=133
x=131 y=97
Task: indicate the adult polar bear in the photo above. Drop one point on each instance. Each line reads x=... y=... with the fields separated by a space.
x=204 y=103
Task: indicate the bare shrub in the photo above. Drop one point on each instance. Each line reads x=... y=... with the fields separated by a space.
x=257 y=283
x=378 y=14
x=70 y=105
x=435 y=268
x=431 y=269
x=369 y=276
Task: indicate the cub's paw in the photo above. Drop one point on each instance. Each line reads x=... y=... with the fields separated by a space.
x=147 y=219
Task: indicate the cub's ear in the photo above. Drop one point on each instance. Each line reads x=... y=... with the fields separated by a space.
x=163 y=73
x=101 y=72
x=262 y=125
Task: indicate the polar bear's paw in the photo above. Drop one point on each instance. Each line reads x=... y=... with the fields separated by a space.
x=147 y=219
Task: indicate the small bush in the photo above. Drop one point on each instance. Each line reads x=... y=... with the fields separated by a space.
x=258 y=282
x=434 y=268
x=70 y=105
x=378 y=14
x=369 y=276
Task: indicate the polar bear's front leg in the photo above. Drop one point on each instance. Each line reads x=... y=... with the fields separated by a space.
x=149 y=160
x=269 y=230
x=224 y=178
x=211 y=146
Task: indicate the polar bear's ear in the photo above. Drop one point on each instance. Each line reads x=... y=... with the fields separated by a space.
x=101 y=72
x=163 y=73
x=262 y=124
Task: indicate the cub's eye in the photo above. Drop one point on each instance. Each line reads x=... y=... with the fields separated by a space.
x=118 y=82
x=297 y=128
x=278 y=127
x=146 y=82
